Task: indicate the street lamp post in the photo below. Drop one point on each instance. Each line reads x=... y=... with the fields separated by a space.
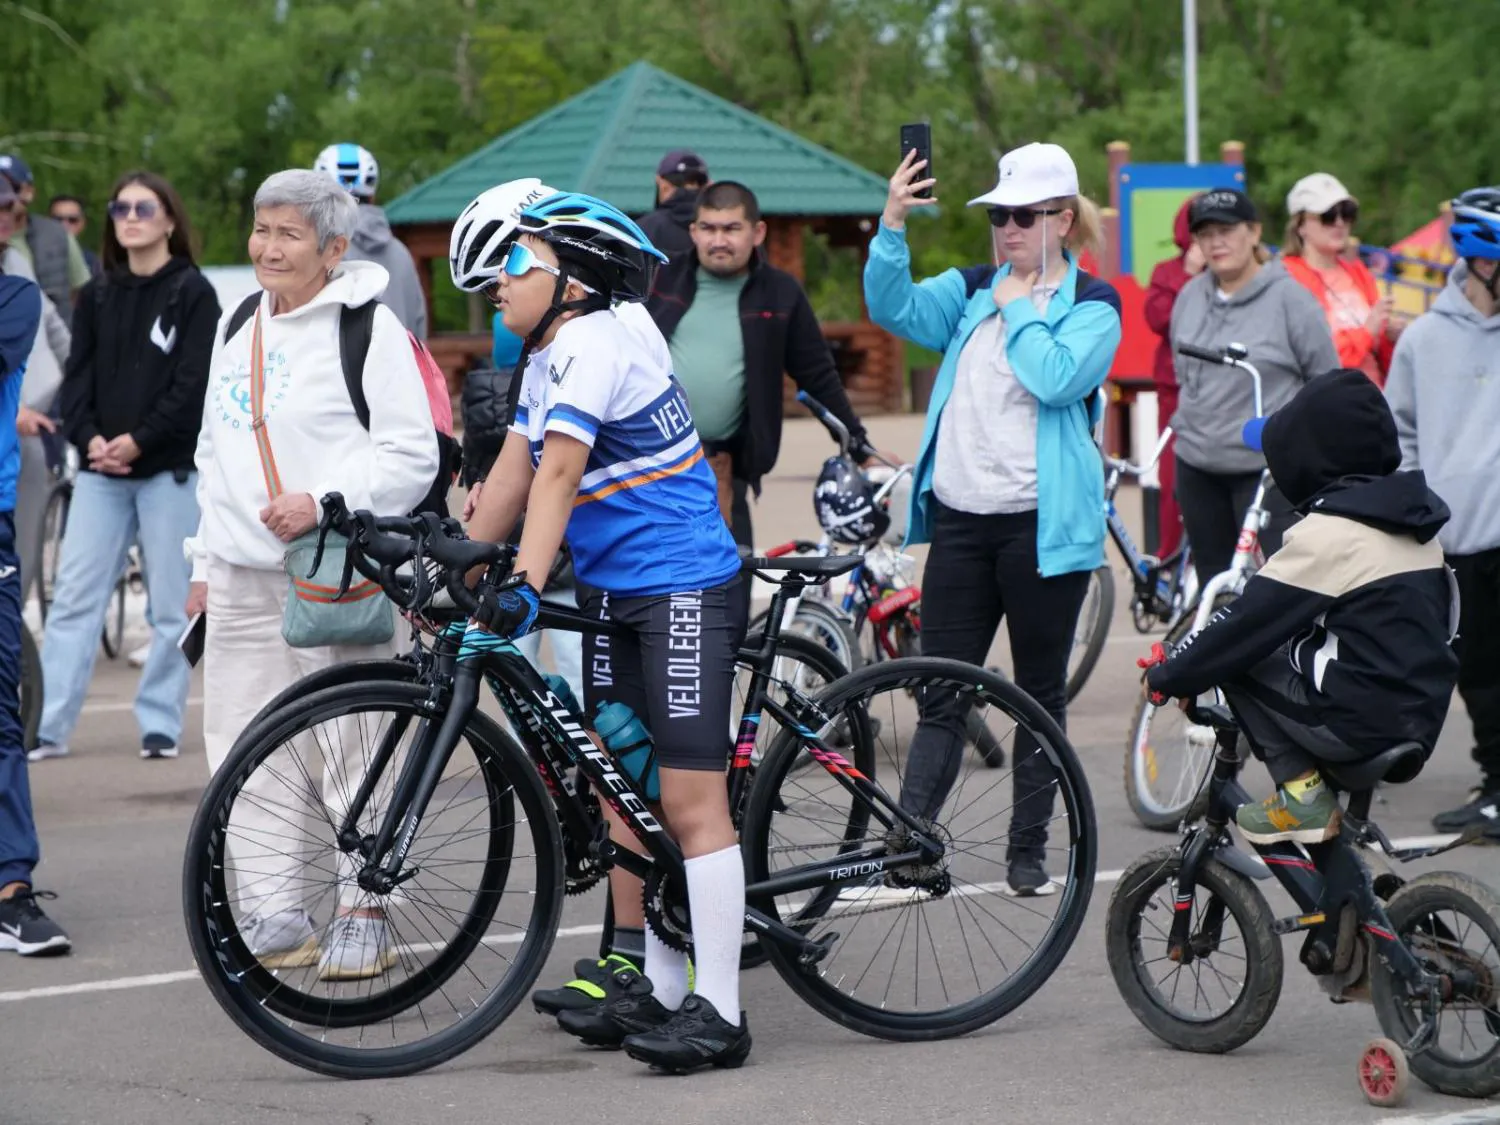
x=1190 y=77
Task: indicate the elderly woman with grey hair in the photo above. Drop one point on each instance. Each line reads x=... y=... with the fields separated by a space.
x=279 y=432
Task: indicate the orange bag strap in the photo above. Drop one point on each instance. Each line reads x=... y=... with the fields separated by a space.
x=258 y=411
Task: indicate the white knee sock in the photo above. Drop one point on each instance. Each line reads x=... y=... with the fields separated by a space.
x=716 y=899
x=667 y=970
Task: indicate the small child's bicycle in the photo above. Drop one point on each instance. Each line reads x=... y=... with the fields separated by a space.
x=1426 y=952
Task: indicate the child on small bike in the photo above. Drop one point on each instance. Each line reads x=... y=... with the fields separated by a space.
x=1340 y=646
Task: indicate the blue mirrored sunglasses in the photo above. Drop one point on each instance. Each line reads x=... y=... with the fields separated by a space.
x=520 y=260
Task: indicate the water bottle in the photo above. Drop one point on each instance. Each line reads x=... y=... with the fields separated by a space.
x=627 y=738
x=561 y=689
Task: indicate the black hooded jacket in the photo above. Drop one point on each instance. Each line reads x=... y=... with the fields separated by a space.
x=667 y=226
x=1358 y=597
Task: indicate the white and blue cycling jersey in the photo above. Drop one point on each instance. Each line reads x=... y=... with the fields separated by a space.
x=647 y=518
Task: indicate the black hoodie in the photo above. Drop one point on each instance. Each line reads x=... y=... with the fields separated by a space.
x=139 y=364
x=1358 y=594
x=667 y=226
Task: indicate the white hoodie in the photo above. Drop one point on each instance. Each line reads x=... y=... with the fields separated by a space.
x=316 y=438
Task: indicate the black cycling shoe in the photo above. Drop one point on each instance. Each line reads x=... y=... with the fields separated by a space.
x=631 y=1010
x=695 y=1036
x=1483 y=809
x=594 y=984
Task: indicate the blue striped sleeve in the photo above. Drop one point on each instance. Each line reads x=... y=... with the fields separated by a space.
x=569 y=419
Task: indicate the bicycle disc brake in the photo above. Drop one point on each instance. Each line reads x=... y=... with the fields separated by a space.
x=666 y=909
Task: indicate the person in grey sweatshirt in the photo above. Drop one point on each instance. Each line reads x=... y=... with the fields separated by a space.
x=1240 y=298
x=1444 y=390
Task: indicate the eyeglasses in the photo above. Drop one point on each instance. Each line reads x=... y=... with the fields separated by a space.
x=1348 y=210
x=520 y=260
x=74 y=220
x=144 y=209
x=1025 y=217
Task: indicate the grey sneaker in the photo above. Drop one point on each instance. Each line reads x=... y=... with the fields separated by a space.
x=158 y=746
x=358 y=948
x=284 y=940
x=45 y=750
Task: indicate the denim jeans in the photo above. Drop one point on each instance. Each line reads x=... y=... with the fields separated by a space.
x=106 y=516
x=18 y=845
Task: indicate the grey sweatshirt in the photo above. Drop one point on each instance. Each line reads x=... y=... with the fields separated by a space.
x=1444 y=389
x=1287 y=334
x=374 y=242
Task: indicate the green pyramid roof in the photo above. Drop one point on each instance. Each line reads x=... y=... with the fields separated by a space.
x=607 y=141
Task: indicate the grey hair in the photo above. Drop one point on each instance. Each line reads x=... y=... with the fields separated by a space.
x=323 y=202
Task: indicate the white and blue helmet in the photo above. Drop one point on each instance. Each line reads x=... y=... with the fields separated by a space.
x=597 y=236
x=353 y=167
x=486 y=227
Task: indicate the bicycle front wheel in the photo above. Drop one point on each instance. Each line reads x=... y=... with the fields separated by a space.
x=113 y=637
x=31 y=688
x=270 y=886
x=1092 y=629
x=940 y=948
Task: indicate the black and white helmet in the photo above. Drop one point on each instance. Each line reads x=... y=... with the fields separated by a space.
x=485 y=229
x=844 y=501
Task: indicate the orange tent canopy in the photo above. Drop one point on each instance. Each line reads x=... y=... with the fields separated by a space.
x=1428 y=243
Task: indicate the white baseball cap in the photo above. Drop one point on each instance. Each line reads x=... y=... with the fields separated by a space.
x=1033 y=173
x=1316 y=194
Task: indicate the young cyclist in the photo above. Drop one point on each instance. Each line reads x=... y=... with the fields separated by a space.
x=1340 y=646
x=603 y=449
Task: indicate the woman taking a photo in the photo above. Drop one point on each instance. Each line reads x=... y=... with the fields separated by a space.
x=259 y=488
x=1008 y=485
x=131 y=401
x=1241 y=298
x=1314 y=252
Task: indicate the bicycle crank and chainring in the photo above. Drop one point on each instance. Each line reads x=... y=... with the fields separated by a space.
x=582 y=868
x=666 y=907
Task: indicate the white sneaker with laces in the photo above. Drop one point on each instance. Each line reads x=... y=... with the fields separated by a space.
x=358 y=948
x=45 y=750
x=283 y=940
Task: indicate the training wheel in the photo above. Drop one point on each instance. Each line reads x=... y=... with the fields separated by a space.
x=1383 y=1073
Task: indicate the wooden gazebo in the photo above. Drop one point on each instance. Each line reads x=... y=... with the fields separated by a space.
x=607 y=141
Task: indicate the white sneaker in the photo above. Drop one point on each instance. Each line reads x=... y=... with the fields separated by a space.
x=138 y=656
x=284 y=940
x=45 y=750
x=358 y=948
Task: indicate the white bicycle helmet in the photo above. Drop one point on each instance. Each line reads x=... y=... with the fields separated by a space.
x=353 y=167
x=486 y=227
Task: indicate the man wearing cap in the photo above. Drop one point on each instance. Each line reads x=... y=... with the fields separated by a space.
x=56 y=258
x=680 y=176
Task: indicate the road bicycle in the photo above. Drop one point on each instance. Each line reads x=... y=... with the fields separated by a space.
x=369 y=837
x=1406 y=946
x=1167 y=757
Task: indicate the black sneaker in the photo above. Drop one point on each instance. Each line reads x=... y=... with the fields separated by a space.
x=696 y=1035
x=1027 y=878
x=1483 y=809
x=158 y=746
x=631 y=1010
x=28 y=931
x=593 y=984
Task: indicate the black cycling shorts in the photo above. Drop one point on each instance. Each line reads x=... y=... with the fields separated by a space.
x=673 y=665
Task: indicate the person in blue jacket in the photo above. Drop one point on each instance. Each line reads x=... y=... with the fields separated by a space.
x=24 y=928
x=1009 y=486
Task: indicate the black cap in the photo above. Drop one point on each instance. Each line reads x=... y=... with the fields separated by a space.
x=1222 y=205
x=16 y=170
x=681 y=162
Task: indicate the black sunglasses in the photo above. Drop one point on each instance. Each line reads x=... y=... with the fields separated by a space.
x=1348 y=210
x=144 y=209
x=1025 y=217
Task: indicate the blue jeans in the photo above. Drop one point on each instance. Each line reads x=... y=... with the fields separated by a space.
x=106 y=516
x=18 y=846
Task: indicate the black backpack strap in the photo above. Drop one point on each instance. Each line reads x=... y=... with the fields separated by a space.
x=242 y=313
x=356 y=328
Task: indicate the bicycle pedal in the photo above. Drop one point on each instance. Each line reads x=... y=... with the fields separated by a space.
x=813 y=952
x=1296 y=923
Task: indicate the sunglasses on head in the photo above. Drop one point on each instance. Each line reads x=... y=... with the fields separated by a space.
x=1348 y=210
x=1025 y=217
x=143 y=208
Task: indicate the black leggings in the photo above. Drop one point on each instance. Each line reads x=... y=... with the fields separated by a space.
x=1479 y=655
x=1213 y=509
x=980 y=570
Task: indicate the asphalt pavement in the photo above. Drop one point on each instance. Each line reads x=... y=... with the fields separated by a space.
x=123 y=1031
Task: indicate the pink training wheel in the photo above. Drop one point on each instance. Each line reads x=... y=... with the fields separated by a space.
x=1383 y=1073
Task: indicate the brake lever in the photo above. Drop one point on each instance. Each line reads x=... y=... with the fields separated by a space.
x=329 y=510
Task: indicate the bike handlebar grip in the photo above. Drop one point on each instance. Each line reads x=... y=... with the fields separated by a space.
x=781 y=549
x=1207 y=355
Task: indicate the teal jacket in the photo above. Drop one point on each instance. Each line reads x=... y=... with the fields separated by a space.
x=1062 y=357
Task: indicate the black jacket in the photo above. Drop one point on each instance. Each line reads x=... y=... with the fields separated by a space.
x=667 y=226
x=139 y=364
x=1358 y=595
x=781 y=335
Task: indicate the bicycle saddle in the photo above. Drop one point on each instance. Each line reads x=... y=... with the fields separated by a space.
x=1398 y=764
x=821 y=566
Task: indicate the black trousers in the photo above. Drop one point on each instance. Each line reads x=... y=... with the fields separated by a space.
x=1271 y=703
x=980 y=570
x=1479 y=655
x=1213 y=508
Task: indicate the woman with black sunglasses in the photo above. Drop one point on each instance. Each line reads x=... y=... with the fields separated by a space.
x=1315 y=252
x=1008 y=485
x=132 y=401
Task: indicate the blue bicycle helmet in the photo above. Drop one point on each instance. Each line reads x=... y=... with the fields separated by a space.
x=1476 y=230
x=598 y=238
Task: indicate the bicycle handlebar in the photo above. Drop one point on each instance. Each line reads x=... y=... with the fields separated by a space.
x=1132 y=470
x=1232 y=355
x=841 y=432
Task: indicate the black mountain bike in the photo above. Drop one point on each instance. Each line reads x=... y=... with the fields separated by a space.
x=452 y=835
x=1187 y=925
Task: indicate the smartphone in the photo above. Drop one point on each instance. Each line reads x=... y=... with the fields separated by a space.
x=191 y=641
x=919 y=136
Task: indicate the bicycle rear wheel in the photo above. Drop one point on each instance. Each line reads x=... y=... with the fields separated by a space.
x=113 y=637
x=466 y=933
x=957 y=912
x=820 y=623
x=31 y=688
x=1092 y=629
x=49 y=544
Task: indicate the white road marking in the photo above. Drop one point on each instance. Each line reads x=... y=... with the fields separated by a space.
x=1465 y=1117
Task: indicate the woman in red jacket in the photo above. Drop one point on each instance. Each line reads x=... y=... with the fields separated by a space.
x=1322 y=218
x=1167 y=281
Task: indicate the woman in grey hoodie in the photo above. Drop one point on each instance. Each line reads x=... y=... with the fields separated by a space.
x=1241 y=298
